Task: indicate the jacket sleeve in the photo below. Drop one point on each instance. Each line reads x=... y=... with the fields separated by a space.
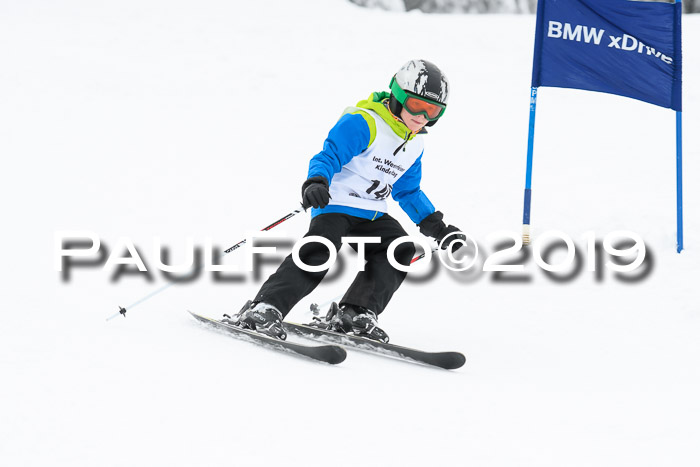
x=348 y=138
x=407 y=193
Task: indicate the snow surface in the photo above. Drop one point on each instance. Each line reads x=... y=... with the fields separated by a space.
x=177 y=118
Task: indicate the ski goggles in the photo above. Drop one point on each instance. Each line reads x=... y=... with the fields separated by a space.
x=417 y=105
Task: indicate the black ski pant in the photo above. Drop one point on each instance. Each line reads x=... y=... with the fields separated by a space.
x=372 y=288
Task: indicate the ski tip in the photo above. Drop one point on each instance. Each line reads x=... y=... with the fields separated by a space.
x=336 y=354
x=453 y=360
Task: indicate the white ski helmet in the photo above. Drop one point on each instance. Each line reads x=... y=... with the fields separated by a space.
x=422 y=79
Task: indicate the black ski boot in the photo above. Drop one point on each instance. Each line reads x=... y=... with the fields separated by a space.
x=261 y=317
x=352 y=319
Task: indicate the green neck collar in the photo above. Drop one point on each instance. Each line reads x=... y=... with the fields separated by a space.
x=376 y=103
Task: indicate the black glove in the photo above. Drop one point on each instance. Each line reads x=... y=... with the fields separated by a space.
x=314 y=193
x=433 y=226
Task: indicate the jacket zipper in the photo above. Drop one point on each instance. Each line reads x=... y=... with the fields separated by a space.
x=403 y=145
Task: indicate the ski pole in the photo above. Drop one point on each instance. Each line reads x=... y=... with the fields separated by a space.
x=422 y=255
x=122 y=310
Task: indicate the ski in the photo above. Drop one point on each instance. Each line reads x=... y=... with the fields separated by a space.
x=332 y=354
x=446 y=360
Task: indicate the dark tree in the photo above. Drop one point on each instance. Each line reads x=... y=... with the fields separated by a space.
x=476 y=6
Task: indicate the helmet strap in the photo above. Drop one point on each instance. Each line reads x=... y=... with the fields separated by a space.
x=395 y=106
x=397 y=115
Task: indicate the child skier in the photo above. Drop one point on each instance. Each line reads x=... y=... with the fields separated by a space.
x=373 y=151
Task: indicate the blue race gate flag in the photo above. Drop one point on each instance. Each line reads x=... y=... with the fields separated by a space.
x=630 y=48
